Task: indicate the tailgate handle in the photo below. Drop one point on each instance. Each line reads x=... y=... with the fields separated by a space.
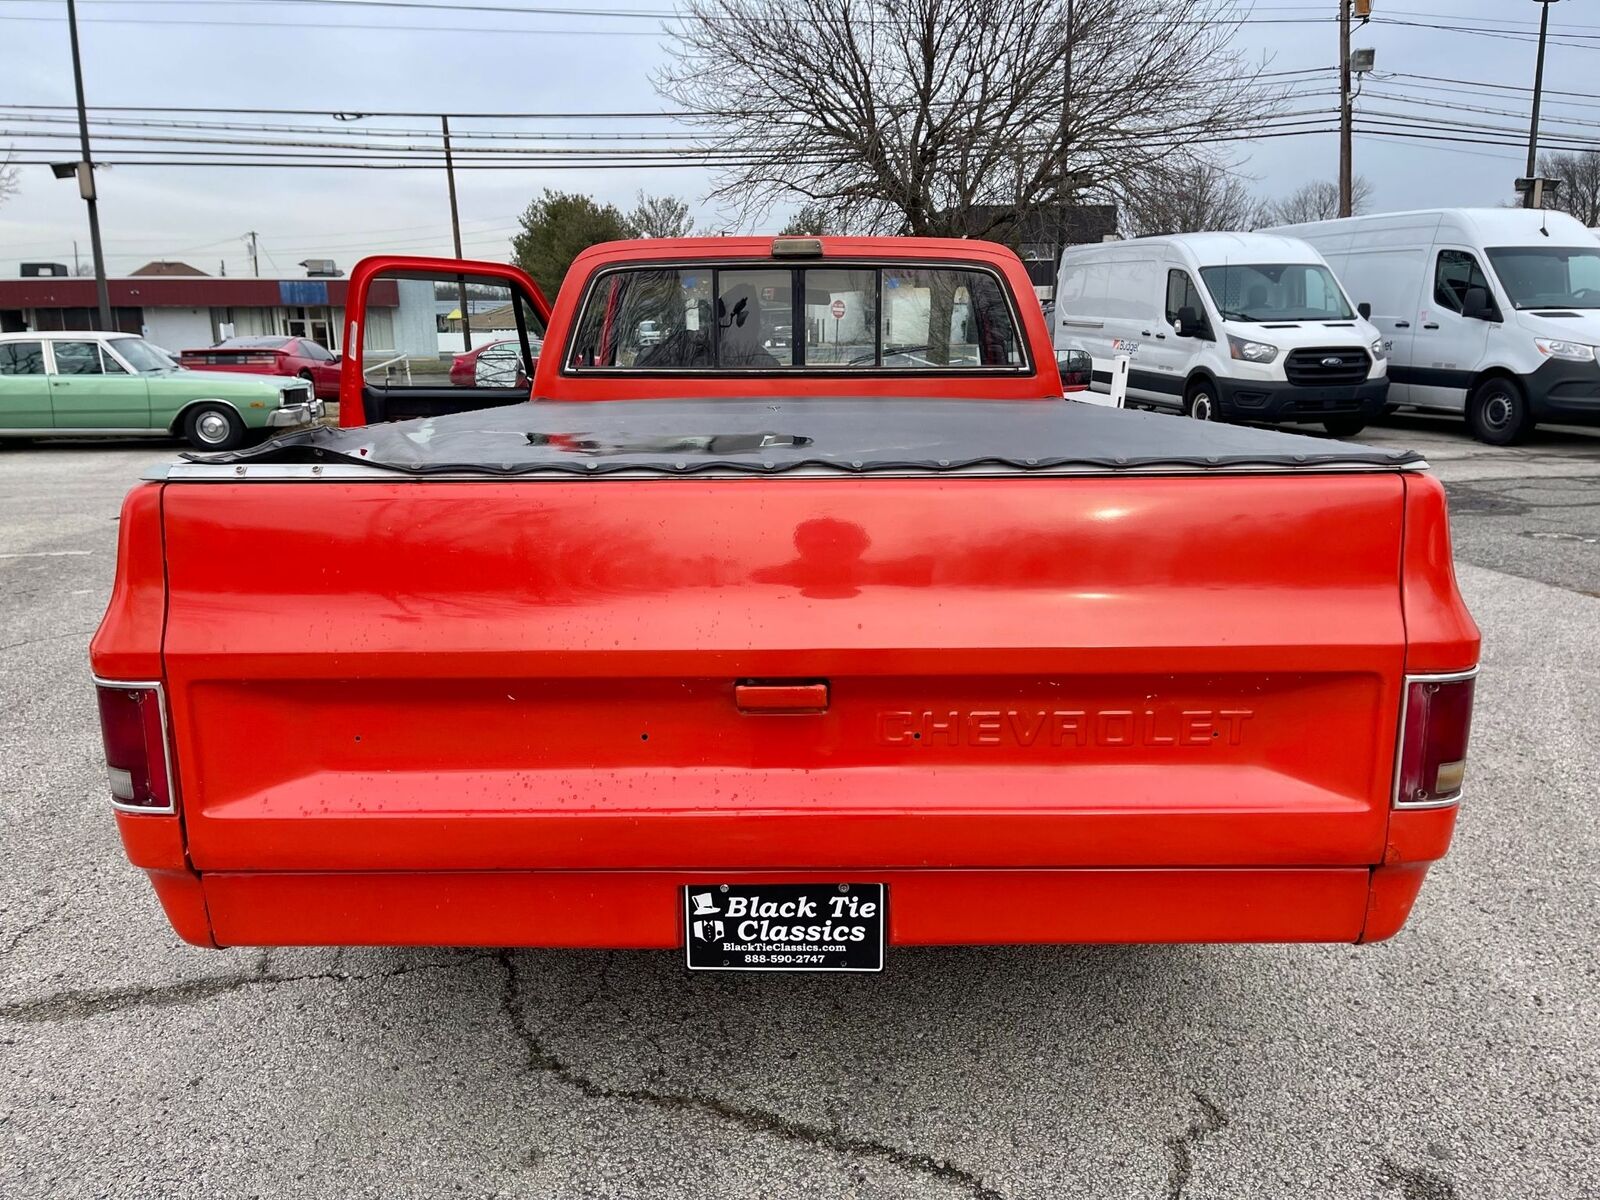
x=781 y=699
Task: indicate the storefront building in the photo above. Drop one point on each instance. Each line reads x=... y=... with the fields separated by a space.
x=187 y=312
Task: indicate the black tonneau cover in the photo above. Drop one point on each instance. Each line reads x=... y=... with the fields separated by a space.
x=762 y=436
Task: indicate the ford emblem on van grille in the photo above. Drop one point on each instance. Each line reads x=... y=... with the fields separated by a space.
x=1333 y=362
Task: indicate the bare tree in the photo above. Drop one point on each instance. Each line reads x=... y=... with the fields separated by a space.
x=947 y=116
x=1579 y=173
x=1319 y=201
x=660 y=217
x=1190 y=199
x=9 y=183
x=812 y=219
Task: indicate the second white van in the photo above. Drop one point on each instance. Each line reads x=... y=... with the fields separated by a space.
x=1224 y=326
x=1488 y=313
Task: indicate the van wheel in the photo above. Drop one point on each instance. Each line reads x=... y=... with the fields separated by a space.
x=213 y=427
x=1201 y=402
x=1344 y=427
x=1497 y=413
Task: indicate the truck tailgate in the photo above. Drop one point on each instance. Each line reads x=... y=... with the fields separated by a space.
x=534 y=673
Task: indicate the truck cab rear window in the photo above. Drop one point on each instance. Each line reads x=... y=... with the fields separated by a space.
x=842 y=317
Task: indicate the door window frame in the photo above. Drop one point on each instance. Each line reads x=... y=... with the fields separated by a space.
x=1477 y=269
x=97 y=343
x=1205 y=333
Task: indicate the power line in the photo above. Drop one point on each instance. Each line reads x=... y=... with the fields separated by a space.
x=646 y=14
x=538 y=31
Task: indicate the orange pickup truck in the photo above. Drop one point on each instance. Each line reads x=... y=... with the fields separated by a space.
x=796 y=617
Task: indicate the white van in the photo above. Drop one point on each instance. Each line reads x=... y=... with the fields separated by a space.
x=1490 y=312
x=1223 y=326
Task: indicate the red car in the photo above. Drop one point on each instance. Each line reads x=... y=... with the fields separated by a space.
x=271 y=356
x=783 y=656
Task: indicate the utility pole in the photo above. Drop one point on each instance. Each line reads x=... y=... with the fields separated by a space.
x=86 y=176
x=1346 y=149
x=1065 y=187
x=1532 y=194
x=455 y=233
x=255 y=263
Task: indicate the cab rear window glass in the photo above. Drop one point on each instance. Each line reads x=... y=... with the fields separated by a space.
x=816 y=318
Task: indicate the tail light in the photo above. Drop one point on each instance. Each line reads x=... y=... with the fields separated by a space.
x=133 y=725
x=260 y=360
x=1435 y=720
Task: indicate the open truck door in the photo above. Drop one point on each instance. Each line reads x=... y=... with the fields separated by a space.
x=458 y=336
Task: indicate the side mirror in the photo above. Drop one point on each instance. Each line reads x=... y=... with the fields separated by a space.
x=1188 y=324
x=1076 y=368
x=1365 y=309
x=1477 y=306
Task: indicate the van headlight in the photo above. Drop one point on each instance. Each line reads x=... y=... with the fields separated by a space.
x=1568 y=351
x=1256 y=352
x=1378 y=350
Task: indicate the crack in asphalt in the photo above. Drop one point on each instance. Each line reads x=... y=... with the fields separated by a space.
x=539 y=1060
x=1211 y=1120
x=76 y=1004
x=49 y=637
x=33 y=926
x=1414 y=1182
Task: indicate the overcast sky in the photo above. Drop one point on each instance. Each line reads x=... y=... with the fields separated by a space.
x=283 y=54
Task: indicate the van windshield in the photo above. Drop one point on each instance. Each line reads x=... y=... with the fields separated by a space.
x=1276 y=292
x=1549 y=276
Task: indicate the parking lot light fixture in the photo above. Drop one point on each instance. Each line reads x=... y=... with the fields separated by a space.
x=1531 y=198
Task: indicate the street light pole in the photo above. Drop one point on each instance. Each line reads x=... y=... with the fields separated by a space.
x=1538 y=94
x=455 y=232
x=1346 y=137
x=86 y=176
x=1066 y=116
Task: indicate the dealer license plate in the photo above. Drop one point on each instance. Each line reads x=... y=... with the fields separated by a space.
x=784 y=926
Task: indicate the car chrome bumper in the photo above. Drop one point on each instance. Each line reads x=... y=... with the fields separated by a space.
x=291 y=415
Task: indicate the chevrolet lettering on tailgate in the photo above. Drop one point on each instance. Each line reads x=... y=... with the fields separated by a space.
x=1065 y=727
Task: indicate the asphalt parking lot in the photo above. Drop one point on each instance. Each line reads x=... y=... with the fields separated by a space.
x=1461 y=1059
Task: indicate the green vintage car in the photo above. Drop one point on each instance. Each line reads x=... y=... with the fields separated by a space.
x=115 y=384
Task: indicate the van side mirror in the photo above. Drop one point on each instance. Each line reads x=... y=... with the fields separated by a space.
x=1477 y=306
x=1189 y=323
x=1365 y=309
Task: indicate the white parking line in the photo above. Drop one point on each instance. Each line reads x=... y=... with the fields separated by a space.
x=49 y=554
